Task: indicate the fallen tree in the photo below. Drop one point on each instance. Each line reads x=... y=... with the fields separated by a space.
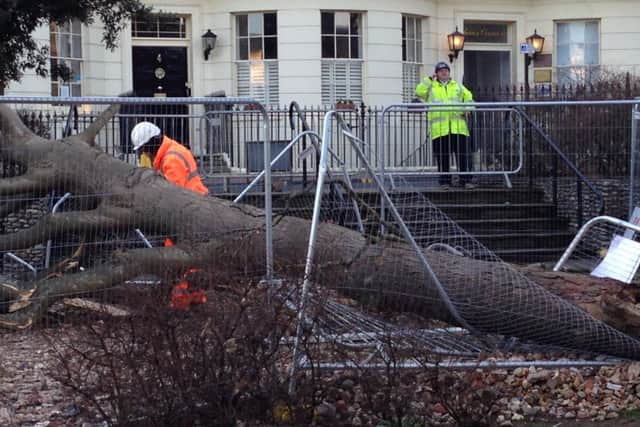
x=487 y=295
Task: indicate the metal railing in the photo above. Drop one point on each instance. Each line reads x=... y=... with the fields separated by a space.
x=494 y=146
x=557 y=154
x=593 y=135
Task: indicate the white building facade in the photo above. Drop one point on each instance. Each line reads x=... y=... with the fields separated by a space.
x=326 y=52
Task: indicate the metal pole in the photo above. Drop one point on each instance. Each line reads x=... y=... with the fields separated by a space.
x=322 y=171
x=47 y=255
x=268 y=214
x=527 y=62
x=633 y=185
x=21 y=261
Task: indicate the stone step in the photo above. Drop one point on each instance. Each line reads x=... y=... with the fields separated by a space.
x=527 y=256
x=495 y=211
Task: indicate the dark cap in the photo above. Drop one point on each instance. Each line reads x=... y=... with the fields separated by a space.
x=441 y=65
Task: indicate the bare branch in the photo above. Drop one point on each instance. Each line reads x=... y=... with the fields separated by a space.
x=31 y=305
x=52 y=226
x=89 y=135
x=11 y=127
x=36 y=181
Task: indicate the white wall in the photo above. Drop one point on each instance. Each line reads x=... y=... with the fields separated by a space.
x=619 y=27
x=32 y=84
x=109 y=73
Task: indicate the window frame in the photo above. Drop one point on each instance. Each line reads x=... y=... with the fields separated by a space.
x=415 y=67
x=265 y=66
x=572 y=72
x=72 y=31
x=335 y=36
x=262 y=36
x=182 y=33
x=417 y=39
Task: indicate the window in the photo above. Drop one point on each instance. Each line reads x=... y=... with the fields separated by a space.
x=257 y=56
x=577 y=51
x=66 y=58
x=411 y=55
x=159 y=26
x=341 y=39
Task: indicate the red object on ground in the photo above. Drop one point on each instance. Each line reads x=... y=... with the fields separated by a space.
x=182 y=298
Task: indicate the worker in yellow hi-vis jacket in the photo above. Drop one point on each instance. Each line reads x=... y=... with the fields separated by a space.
x=448 y=126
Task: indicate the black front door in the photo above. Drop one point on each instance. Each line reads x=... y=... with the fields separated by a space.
x=161 y=72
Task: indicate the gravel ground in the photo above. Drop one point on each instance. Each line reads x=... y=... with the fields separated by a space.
x=28 y=394
x=534 y=397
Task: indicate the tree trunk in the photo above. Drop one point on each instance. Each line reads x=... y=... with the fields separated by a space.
x=489 y=296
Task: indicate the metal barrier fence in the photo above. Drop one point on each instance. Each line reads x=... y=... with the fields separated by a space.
x=494 y=147
x=560 y=144
x=415 y=258
x=595 y=136
x=605 y=247
x=634 y=185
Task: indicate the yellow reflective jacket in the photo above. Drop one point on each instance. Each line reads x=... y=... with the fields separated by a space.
x=145 y=161
x=444 y=121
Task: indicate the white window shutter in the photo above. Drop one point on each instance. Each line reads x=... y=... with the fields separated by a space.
x=273 y=83
x=410 y=79
x=326 y=82
x=243 y=89
x=341 y=80
x=259 y=80
x=355 y=81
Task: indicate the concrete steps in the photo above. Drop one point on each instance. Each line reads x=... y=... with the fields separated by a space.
x=517 y=224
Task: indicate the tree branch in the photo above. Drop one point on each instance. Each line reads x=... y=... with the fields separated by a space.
x=37 y=181
x=89 y=135
x=13 y=131
x=60 y=224
x=31 y=305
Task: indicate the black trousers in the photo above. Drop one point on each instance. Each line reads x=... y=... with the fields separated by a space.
x=442 y=149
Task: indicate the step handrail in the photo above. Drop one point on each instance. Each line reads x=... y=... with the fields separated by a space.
x=569 y=163
x=295 y=106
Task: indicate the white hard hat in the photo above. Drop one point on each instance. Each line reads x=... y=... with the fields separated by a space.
x=142 y=133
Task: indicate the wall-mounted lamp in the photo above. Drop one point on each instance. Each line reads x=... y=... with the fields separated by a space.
x=208 y=43
x=536 y=43
x=456 y=44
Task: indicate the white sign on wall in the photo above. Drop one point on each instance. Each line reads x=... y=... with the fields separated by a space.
x=526 y=48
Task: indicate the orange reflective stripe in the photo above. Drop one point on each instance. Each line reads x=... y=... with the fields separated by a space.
x=178 y=154
x=193 y=170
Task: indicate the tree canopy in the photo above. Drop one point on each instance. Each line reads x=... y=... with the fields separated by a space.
x=19 y=18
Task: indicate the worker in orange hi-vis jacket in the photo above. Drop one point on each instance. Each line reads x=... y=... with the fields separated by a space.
x=176 y=163
x=172 y=159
